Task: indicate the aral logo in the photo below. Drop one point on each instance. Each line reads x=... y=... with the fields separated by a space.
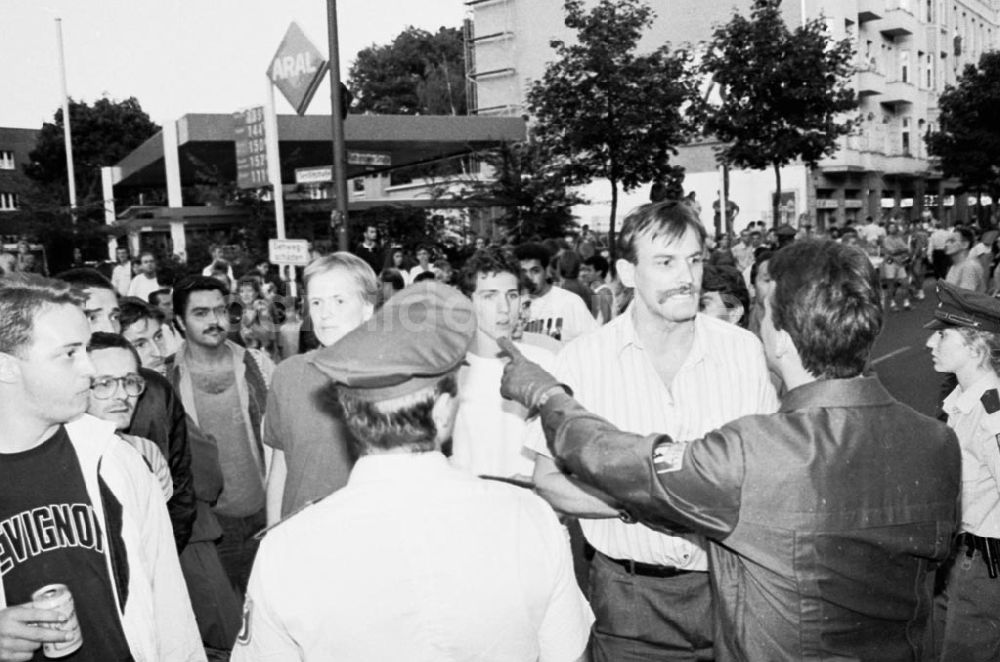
x=297 y=68
x=293 y=66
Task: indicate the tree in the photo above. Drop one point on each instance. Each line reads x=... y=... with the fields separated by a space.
x=603 y=111
x=419 y=73
x=103 y=134
x=535 y=197
x=968 y=141
x=784 y=92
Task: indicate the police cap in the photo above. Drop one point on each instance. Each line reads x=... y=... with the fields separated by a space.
x=418 y=335
x=960 y=307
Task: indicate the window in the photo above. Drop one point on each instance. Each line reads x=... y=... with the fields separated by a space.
x=6 y=160
x=906 y=136
x=8 y=201
x=904 y=65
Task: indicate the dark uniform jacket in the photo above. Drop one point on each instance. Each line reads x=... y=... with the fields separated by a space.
x=825 y=519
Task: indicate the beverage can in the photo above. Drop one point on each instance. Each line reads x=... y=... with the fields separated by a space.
x=57 y=597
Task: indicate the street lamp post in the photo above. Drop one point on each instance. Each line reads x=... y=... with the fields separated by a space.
x=338 y=218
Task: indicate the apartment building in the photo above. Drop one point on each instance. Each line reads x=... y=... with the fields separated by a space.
x=15 y=144
x=907 y=51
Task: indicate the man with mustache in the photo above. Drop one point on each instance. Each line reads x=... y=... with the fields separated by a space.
x=224 y=389
x=658 y=366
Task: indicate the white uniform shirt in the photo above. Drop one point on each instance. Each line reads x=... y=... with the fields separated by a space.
x=490 y=432
x=979 y=436
x=560 y=314
x=724 y=377
x=415 y=560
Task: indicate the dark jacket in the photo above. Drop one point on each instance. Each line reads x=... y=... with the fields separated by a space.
x=159 y=416
x=825 y=519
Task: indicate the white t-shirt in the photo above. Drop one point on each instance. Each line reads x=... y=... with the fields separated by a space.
x=559 y=314
x=416 y=560
x=871 y=232
x=490 y=432
x=142 y=287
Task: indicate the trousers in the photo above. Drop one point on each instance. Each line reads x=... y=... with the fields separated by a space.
x=648 y=618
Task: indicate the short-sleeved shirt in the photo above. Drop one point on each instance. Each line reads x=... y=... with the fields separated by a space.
x=978 y=433
x=724 y=377
x=305 y=421
x=416 y=560
x=559 y=314
x=968 y=274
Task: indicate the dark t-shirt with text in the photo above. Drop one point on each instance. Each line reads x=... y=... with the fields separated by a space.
x=51 y=534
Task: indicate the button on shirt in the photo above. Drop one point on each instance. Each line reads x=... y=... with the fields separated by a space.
x=415 y=560
x=724 y=377
x=979 y=436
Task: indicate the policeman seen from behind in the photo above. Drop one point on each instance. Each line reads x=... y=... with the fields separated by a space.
x=966 y=342
x=826 y=518
x=413 y=559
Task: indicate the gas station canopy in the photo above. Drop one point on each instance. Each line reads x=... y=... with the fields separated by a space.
x=207 y=149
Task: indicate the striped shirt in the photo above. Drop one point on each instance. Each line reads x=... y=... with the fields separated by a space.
x=723 y=378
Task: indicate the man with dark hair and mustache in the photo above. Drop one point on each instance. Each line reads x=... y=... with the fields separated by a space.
x=658 y=366
x=224 y=389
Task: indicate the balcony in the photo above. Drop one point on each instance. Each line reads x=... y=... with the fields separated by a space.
x=869 y=82
x=897 y=92
x=870 y=10
x=898 y=23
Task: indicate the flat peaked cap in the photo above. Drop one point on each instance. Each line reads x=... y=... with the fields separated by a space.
x=960 y=307
x=419 y=335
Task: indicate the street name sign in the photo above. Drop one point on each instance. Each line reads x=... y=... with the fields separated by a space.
x=288 y=251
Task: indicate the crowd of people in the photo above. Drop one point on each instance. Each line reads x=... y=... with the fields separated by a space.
x=534 y=454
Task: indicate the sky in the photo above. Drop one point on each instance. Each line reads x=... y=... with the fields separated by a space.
x=180 y=56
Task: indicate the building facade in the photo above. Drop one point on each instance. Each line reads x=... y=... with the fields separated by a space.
x=15 y=144
x=907 y=52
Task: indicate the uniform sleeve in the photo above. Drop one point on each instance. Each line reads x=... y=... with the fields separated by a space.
x=661 y=482
x=262 y=637
x=565 y=627
x=987 y=449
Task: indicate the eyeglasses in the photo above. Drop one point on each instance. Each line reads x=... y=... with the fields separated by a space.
x=105 y=387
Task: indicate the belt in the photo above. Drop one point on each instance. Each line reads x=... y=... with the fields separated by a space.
x=989 y=549
x=646 y=569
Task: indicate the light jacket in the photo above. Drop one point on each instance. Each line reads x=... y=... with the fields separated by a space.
x=253 y=376
x=826 y=519
x=154 y=606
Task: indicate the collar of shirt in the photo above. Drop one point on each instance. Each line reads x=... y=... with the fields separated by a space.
x=626 y=337
x=853 y=392
x=397 y=467
x=965 y=401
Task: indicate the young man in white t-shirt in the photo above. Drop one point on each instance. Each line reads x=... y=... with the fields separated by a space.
x=552 y=311
x=490 y=432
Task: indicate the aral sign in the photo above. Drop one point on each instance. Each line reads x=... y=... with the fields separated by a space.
x=297 y=68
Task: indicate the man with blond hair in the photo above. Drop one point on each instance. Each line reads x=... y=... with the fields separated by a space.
x=302 y=426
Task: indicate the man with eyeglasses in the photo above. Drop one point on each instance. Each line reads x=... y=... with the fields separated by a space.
x=114 y=392
x=77 y=506
x=223 y=387
x=159 y=415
